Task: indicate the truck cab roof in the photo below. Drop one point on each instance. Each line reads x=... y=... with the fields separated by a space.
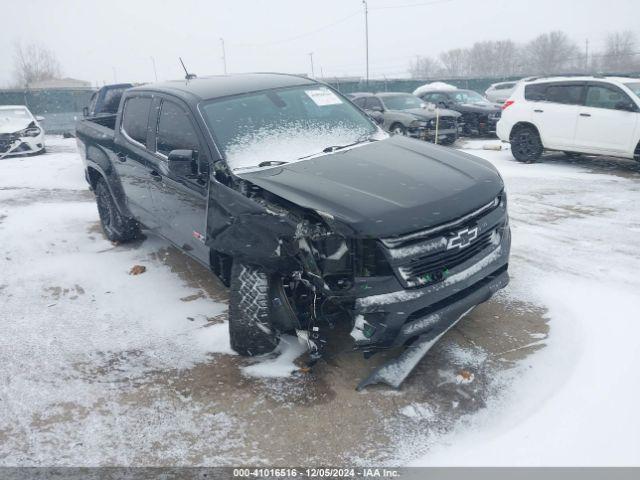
x=217 y=86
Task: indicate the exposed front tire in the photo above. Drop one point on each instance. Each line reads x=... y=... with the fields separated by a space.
x=398 y=129
x=526 y=145
x=250 y=328
x=116 y=226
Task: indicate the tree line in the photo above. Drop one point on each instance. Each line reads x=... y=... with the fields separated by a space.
x=549 y=53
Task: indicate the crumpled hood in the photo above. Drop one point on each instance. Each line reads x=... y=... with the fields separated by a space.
x=388 y=187
x=479 y=107
x=426 y=114
x=13 y=125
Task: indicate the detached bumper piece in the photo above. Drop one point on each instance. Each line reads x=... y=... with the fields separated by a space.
x=436 y=324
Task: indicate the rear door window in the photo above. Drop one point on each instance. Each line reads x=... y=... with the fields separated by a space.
x=566 y=94
x=604 y=96
x=136 y=118
x=373 y=103
x=175 y=130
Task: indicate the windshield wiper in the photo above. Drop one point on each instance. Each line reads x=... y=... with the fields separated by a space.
x=269 y=163
x=333 y=148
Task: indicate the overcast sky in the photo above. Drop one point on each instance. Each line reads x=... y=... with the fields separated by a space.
x=116 y=40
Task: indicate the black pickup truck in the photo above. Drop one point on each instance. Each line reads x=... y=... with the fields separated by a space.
x=302 y=205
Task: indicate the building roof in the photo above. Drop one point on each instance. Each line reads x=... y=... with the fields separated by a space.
x=205 y=88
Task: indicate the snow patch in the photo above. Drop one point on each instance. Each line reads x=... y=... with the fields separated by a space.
x=280 y=362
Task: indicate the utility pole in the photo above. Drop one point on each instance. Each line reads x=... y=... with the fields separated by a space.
x=155 y=72
x=224 y=55
x=586 y=55
x=366 y=36
x=311 y=58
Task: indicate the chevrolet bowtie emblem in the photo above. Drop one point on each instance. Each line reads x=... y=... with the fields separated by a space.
x=463 y=238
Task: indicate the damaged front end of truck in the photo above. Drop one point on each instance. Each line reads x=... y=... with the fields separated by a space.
x=326 y=267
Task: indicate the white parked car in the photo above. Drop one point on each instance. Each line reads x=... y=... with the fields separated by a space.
x=577 y=115
x=500 y=92
x=20 y=132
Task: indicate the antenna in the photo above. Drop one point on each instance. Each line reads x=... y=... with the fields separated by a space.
x=188 y=76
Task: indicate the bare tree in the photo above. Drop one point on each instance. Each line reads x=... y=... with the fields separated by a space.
x=33 y=63
x=424 y=67
x=620 y=53
x=551 y=52
x=455 y=62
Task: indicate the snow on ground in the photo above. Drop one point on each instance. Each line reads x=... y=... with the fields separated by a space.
x=99 y=367
x=575 y=251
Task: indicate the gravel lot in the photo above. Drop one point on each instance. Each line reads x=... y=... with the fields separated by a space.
x=99 y=367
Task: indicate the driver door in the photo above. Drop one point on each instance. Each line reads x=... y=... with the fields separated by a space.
x=180 y=201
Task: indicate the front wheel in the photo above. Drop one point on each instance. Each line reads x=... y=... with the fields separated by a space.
x=398 y=129
x=526 y=145
x=250 y=329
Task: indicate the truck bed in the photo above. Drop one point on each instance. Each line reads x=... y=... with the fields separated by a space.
x=100 y=129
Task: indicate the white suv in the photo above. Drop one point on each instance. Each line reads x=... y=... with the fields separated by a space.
x=590 y=115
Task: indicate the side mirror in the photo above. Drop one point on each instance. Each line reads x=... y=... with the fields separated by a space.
x=626 y=106
x=181 y=163
x=39 y=118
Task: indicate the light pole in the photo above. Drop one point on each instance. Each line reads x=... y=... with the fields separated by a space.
x=224 y=55
x=311 y=58
x=366 y=36
x=155 y=72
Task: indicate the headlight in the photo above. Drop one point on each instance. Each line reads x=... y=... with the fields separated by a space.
x=29 y=132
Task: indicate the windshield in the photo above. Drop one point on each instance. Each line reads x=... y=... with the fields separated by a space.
x=468 y=96
x=402 y=102
x=283 y=125
x=634 y=87
x=8 y=114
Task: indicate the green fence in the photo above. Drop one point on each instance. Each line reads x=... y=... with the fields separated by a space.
x=402 y=85
x=60 y=107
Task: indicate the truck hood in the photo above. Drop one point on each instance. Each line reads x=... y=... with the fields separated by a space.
x=385 y=188
x=478 y=107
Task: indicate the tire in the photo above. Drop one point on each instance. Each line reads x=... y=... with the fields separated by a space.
x=450 y=140
x=250 y=328
x=526 y=145
x=398 y=129
x=115 y=226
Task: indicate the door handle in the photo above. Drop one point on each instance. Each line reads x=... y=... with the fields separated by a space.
x=155 y=175
x=538 y=111
x=122 y=157
x=585 y=114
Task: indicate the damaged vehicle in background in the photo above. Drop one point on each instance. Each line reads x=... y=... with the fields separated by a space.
x=405 y=114
x=310 y=212
x=478 y=115
x=20 y=132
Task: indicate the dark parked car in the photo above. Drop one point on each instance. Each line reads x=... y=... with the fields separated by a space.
x=479 y=115
x=406 y=114
x=106 y=100
x=305 y=208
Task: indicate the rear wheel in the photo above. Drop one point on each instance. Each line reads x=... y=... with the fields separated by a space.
x=116 y=226
x=398 y=129
x=526 y=145
x=250 y=329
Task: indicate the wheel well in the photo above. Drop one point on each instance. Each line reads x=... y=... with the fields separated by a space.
x=396 y=124
x=94 y=176
x=519 y=125
x=220 y=264
x=636 y=152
